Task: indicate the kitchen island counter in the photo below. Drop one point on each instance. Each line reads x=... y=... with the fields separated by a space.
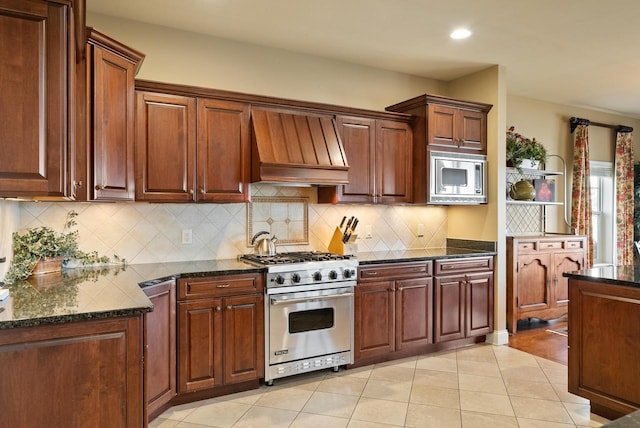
x=627 y=276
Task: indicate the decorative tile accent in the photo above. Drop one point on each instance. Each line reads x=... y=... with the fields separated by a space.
x=283 y=217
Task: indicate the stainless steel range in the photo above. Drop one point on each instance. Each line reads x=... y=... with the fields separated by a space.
x=308 y=311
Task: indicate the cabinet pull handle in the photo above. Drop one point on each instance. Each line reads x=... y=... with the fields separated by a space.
x=372 y=273
x=223 y=285
x=218 y=308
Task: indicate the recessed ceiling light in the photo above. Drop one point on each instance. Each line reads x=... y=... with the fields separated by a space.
x=460 y=33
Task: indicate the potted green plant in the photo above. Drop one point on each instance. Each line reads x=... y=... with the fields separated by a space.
x=42 y=250
x=520 y=148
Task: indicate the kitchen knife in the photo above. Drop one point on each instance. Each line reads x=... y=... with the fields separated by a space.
x=353 y=226
x=342 y=222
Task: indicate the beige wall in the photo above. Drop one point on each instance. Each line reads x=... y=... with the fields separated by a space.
x=9 y=220
x=188 y=58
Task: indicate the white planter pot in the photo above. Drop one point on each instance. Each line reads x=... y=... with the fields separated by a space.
x=529 y=164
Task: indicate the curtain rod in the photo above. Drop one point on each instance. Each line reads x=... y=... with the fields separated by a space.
x=575 y=121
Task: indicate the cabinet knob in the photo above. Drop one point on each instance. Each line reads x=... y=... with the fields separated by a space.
x=218 y=308
x=203 y=192
x=229 y=308
x=100 y=187
x=77 y=184
x=401 y=289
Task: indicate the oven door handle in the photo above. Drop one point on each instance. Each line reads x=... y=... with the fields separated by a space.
x=276 y=301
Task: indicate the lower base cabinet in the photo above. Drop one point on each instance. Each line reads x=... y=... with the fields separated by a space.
x=95 y=365
x=402 y=310
x=220 y=331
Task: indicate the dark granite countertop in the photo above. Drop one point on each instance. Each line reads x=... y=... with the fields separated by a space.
x=105 y=292
x=627 y=421
x=628 y=276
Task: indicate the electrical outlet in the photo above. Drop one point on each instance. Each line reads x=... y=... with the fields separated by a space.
x=187 y=236
x=367 y=231
x=3 y=259
x=420 y=230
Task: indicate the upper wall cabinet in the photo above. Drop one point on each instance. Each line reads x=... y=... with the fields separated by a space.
x=191 y=149
x=111 y=68
x=443 y=124
x=379 y=153
x=37 y=66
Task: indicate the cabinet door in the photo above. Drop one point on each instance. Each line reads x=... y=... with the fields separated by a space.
x=199 y=344
x=160 y=346
x=441 y=126
x=479 y=304
x=472 y=130
x=394 y=162
x=533 y=279
x=414 y=303
x=165 y=147
x=565 y=262
x=243 y=338
x=358 y=138
x=374 y=319
x=223 y=151
x=449 y=308
x=113 y=125
x=36 y=52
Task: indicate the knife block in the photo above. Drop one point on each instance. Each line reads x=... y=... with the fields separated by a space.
x=336 y=245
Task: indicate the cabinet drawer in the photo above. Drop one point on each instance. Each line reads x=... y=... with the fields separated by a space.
x=572 y=245
x=471 y=264
x=527 y=246
x=207 y=286
x=551 y=245
x=396 y=270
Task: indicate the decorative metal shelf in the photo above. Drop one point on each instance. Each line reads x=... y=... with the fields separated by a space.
x=515 y=202
x=533 y=172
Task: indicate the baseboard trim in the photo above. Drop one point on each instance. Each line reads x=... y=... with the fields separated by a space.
x=498 y=337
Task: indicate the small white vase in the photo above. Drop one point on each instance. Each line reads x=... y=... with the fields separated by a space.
x=529 y=164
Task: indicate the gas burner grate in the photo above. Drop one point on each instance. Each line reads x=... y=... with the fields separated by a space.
x=293 y=257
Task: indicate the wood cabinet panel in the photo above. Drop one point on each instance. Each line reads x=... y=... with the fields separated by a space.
x=223 y=285
x=223 y=151
x=449 y=311
x=165 y=147
x=414 y=316
x=479 y=304
x=70 y=361
x=535 y=285
x=111 y=71
x=199 y=344
x=603 y=350
x=243 y=338
x=36 y=65
x=358 y=139
x=393 y=162
x=160 y=347
x=374 y=319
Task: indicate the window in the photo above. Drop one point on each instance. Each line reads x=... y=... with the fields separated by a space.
x=603 y=209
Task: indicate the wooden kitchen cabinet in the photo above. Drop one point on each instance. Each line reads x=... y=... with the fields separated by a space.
x=379 y=153
x=160 y=348
x=220 y=331
x=111 y=68
x=77 y=374
x=191 y=149
x=535 y=285
x=37 y=59
x=446 y=125
x=393 y=309
x=463 y=298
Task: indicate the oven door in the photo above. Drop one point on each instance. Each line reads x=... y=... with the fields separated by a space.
x=310 y=323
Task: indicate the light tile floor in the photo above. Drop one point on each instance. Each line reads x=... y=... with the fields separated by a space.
x=473 y=387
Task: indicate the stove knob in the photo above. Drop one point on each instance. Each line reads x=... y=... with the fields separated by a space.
x=348 y=273
x=333 y=275
x=280 y=279
x=295 y=277
x=317 y=276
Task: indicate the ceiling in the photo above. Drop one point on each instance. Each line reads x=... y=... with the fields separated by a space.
x=577 y=52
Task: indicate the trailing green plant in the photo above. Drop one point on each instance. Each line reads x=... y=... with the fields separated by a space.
x=43 y=242
x=520 y=147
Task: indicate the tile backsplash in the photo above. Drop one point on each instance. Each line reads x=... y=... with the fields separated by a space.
x=148 y=233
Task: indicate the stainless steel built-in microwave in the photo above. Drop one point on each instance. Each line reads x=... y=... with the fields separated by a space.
x=457 y=178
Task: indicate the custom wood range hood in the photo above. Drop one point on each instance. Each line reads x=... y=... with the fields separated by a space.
x=296 y=148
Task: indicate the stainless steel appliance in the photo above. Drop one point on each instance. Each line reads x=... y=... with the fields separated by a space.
x=308 y=311
x=457 y=178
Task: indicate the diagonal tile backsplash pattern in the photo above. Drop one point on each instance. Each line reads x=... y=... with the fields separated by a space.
x=148 y=233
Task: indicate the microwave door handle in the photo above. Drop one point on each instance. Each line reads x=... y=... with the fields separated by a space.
x=479 y=183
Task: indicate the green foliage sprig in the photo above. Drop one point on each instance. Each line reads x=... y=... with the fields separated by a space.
x=43 y=242
x=520 y=147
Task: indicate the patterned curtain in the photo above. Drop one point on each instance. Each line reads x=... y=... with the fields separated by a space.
x=624 y=197
x=581 y=193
